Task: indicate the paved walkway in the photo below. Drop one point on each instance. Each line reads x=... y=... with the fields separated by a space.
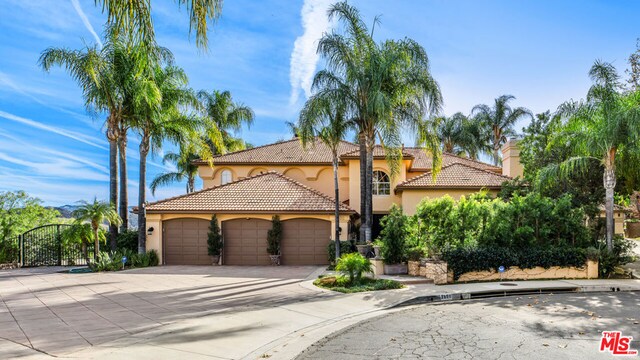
x=196 y=312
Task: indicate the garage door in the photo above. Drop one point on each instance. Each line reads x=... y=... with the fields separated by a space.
x=185 y=242
x=245 y=242
x=304 y=242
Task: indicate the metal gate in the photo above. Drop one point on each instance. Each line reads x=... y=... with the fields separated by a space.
x=43 y=246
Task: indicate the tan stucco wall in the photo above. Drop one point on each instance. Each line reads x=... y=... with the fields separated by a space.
x=381 y=203
x=511 y=165
x=411 y=198
x=618 y=221
x=154 y=241
x=315 y=176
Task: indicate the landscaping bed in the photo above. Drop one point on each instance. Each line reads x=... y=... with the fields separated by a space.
x=342 y=284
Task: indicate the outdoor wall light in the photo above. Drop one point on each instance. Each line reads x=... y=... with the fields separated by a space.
x=150 y=231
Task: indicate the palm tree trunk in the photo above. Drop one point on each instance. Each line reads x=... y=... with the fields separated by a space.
x=96 y=244
x=369 y=188
x=337 y=190
x=124 y=191
x=113 y=184
x=609 y=180
x=142 y=196
x=496 y=154
x=191 y=184
x=363 y=186
x=85 y=253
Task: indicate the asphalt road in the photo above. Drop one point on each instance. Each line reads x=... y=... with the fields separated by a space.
x=563 y=326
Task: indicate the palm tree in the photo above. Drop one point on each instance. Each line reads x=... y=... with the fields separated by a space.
x=185 y=170
x=384 y=87
x=160 y=116
x=328 y=122
x=597 y=129
x=135 y=16
x=226 y=115
x=96 y=213
x=101 y=75
x=499 y=121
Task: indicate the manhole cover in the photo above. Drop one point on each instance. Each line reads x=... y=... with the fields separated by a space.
x=508 y=284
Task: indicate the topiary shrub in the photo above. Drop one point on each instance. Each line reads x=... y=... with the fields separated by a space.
x=274 y=236
x=214 y=238
x=393 y=236
x=353 y=265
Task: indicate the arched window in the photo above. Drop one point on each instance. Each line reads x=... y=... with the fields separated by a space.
x=226 y=177
x=381 y=183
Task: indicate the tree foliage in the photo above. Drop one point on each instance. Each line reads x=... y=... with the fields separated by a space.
x=20 y=212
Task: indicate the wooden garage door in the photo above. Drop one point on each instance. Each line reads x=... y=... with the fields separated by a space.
x=245 y=242
x=185 y=242
x=304 y=242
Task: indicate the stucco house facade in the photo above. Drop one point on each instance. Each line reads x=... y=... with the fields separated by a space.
x=244 y=189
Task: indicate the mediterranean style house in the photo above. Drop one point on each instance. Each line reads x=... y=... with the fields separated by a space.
x=244 y=189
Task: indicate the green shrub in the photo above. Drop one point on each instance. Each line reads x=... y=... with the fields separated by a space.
x=274 y=236
x=464 y=260
x=9 y=250
x=342 y=284
x=345 y=248
x=622 y=254
x=353 y=265
x=214 y=238
x=128 y=239
x=393 y=236
x=520 y=223
x=415 y=253
x=154 y=259
x=112 y=261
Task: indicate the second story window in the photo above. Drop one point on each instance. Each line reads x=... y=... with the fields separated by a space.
x=381 y=183
x=226 y=177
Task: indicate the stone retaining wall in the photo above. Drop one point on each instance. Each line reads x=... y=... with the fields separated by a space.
x=440 y=274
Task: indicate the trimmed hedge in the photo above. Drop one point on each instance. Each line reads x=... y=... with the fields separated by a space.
x=464 y=260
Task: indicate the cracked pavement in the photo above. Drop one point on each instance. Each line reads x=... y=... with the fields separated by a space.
x=522 y=327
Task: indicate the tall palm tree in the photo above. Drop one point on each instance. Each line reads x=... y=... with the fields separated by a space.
x=500 y=121
x=162 y=98
x=96 y=213
x=135 y=16
x=598 y=129
x=185 y=170
x=226 y=115
x=102 y=75
x=384 y=87
x=326 y=121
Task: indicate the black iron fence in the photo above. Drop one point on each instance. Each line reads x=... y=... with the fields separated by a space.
x=45 y=246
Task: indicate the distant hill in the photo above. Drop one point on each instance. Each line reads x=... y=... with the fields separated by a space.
x=66 y=211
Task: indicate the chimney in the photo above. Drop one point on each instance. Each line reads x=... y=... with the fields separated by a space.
x=511 y=165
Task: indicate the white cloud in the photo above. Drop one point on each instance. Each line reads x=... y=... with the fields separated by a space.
x=304 y=57
x=66 y=133
x=85 y=21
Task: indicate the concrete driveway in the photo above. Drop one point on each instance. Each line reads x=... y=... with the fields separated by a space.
x=164 y=312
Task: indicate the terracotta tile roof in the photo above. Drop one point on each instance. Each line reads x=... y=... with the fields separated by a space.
x=285 y=152
x=456 y=175
x=422 y=161
x=267 y=192
x=378 y=152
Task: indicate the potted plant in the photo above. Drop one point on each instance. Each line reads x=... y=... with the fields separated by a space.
x=274 y=238
x=214 y=241
x=393 y=236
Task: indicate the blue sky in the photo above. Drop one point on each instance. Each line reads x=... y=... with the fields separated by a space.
x=264 y=53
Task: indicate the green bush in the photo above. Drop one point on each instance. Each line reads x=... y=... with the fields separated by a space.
x=345 y=248
x=520 y=223
x=274 y=236
x=393 y=236
x=464 y=260
x=128 y=239
x=112 y=261
x=9 y=250
x=353 y=265
x=214 y=238
x=415 y=253
x=622 y=254
x=342 y=284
